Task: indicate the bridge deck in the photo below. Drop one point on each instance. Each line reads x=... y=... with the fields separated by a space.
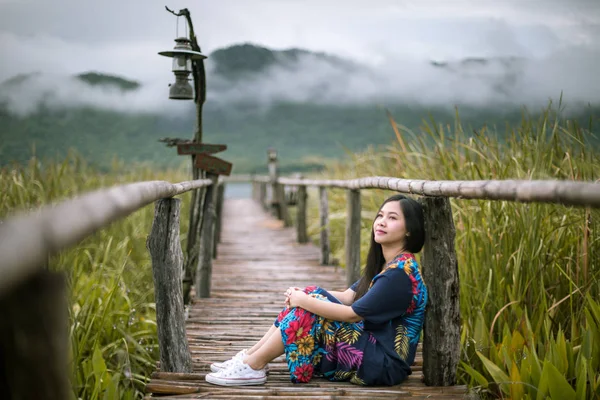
x=257 y=260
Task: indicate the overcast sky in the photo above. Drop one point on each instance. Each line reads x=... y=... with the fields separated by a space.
x=123 y=37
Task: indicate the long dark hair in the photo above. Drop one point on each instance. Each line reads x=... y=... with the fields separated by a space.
x=413 y=219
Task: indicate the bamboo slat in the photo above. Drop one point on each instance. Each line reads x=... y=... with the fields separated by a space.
x=257 y=262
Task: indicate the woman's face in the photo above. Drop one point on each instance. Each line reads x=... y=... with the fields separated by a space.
x=389 y=227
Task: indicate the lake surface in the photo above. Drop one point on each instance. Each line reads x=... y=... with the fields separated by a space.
x=238 y=190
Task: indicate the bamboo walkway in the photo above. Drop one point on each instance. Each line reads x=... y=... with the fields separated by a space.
x=257 y=260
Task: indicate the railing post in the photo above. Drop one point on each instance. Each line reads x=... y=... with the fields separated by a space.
x=219 y=219
x=278 y=203
x=324 y=225
x=167 y=268
x=441 y=338
x=207 y=235
x=352 y=245
x=302 y=235
x=34 y=339
x=262 y=195
x=254 y=190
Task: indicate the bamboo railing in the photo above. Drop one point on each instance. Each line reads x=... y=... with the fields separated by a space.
x=441 y=338
x=34 y=326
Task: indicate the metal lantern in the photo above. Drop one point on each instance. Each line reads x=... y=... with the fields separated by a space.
x=182 y=56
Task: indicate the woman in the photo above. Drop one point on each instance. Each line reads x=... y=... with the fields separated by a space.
x=367 y=334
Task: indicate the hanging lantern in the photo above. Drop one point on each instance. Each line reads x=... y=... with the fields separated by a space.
x=182 y=56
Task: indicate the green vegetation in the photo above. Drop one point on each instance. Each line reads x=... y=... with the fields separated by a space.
x=111 y=294
x=529 y=273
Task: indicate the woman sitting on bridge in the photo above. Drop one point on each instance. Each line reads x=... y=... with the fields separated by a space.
x=367 y=334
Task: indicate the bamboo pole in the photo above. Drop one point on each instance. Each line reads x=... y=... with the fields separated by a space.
x=46 y=231
x=536 y=191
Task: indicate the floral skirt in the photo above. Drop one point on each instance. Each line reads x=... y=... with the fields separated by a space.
x=338 y=351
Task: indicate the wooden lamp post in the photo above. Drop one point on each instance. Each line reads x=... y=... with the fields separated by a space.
x=187 y=58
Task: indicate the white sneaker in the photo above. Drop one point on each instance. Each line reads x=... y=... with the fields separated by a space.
x=237 y=374
x=216 y=367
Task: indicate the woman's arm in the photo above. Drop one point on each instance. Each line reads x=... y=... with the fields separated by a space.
x=326 y=309
x=346 y=297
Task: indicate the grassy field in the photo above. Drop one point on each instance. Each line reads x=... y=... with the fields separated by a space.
x=112 y=317
x=529 y=273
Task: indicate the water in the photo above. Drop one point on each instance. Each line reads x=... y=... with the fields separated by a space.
x=238 y=190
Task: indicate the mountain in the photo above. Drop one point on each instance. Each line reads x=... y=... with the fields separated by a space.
x=312 y=107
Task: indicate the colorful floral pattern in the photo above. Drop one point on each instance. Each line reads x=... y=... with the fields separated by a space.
x=340 y=351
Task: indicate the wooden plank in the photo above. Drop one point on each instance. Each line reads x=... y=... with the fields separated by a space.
x=257 y=260
x=199 y=148
x=213 y=165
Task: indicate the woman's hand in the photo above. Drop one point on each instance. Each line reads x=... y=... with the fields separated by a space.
x=294 y=297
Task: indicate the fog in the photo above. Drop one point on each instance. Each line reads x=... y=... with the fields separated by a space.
x=496 y=81
x=534 y=51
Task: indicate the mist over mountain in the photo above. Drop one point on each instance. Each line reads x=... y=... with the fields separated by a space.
x=309 y=105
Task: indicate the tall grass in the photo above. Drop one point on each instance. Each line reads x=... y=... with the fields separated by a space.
x=112 y=316
x=529 y=273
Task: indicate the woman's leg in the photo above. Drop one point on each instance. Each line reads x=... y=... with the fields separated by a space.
x=269 y=350
x=259 y=344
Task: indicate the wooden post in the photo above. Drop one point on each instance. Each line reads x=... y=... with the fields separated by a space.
x=278 y=203
x=284 y=214
x=352 y=245
x=167 y=267
x=34 y=339
x=324 y=225
x=204 y=272
x=441 y=339
x=262 y=195
x=254 y=190
x=219 y=219
x=302 y=235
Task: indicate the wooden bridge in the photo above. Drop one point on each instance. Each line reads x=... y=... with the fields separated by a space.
x=237 y=296
x=258 y=259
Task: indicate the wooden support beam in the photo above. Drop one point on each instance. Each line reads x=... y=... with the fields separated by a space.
x=324 y=225
x=262 y=195
x=219 y=219
x=255 y=190
x=302 y=235
x=441 y=340
x=352 y=244
x=207 y=235
x=167 y=269
x=282 y=207
x=34 y=343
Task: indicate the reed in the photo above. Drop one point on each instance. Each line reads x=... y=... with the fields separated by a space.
x=111 y=294
x=529 y=272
